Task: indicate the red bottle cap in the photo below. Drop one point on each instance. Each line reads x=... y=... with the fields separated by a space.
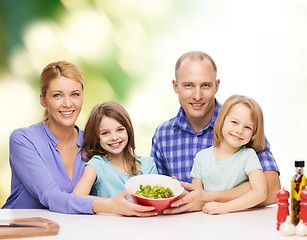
x=304 y=194
x=283 y=194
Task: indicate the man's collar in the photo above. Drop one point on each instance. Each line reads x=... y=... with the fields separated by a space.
x=215 y=113
x=182 y=122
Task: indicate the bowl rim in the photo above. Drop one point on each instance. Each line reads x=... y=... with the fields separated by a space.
x=158 y=199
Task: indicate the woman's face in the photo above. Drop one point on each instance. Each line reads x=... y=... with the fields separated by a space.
x=63 y=101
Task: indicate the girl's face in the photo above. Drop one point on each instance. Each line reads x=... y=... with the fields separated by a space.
x=238 y=127
x=113 y=136
x=63 y=101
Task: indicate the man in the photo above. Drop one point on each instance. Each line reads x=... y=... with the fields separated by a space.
x=176 y=142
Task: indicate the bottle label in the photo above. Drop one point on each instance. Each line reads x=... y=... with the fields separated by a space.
x=297 y=185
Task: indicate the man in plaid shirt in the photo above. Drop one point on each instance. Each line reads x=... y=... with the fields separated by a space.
x=176 y=142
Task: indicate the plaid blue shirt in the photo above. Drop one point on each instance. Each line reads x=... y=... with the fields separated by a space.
x=175 y=144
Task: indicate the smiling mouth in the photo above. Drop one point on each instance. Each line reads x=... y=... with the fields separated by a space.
x=197 y=104
x=236 y=137
x=66 y=112
x=115 y=144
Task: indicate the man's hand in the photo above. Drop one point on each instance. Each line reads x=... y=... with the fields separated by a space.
x=191 y=201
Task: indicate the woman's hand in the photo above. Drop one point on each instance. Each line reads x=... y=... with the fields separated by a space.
x=119 y=204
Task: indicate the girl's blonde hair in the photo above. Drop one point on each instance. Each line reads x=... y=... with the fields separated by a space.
x=55 y=70
x=91 y=144
x=257 y=141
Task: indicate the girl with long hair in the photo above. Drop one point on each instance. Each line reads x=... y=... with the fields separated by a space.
x=108 y=148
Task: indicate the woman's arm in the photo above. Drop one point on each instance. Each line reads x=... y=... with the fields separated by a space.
x=119 y=204
x=256 y=195
x=28 y=164
x=29 y=158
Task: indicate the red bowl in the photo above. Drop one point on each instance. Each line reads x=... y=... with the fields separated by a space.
x=133 y=184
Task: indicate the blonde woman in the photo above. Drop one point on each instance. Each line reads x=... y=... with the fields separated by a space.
x=46 y=158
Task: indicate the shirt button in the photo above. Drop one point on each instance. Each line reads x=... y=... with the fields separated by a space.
x=195 y=136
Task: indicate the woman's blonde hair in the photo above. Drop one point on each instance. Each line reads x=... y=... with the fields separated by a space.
x=91 y=144
x=257 y=141
x=55 y=70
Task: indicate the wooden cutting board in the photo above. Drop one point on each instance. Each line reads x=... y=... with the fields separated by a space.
x=48 y=228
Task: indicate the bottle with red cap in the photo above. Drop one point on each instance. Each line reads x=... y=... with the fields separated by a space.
x=298 y=183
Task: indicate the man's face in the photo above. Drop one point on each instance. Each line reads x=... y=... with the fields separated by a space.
x=196 y=87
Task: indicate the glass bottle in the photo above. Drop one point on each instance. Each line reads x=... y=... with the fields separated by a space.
x=298 y=183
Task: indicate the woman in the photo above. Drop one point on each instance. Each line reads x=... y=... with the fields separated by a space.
x=46 y=159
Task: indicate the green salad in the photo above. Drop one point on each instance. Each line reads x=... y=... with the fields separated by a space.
x=155 y=192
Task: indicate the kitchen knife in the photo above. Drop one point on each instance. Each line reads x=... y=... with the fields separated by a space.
x=13 y=224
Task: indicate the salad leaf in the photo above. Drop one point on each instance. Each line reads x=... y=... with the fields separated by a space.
x=155 y=192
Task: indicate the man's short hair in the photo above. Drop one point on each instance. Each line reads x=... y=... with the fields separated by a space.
x=190 y=56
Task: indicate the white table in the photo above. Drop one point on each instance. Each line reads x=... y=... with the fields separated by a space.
x=257 y=224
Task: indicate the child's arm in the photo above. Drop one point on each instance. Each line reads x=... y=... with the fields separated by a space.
x=257 y=194
x=197 y=183
x=83 y=187
x=117 y=204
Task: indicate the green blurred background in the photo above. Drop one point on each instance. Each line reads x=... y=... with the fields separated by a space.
x=127 y=49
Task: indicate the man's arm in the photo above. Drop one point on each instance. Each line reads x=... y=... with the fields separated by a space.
x=195 y=199
x=256 y=195
x=271 y=172
x=273 y=185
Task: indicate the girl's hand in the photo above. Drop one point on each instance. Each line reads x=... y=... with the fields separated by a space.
x=215 y=208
